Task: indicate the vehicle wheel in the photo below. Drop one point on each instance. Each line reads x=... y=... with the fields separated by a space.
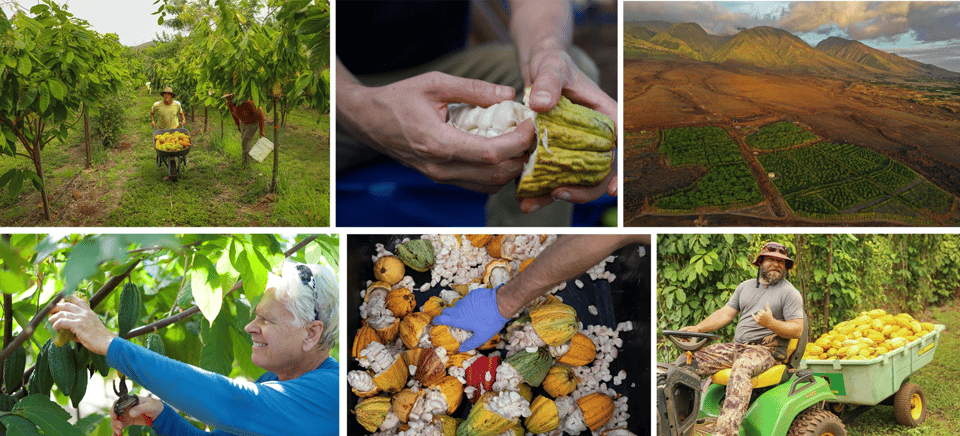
x=817 y=422
x=910 y=405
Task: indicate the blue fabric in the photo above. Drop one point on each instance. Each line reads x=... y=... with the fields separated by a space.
x=309 y=404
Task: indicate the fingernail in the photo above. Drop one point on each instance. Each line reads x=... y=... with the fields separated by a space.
x=562 y=195
x=540 y=98
x=532 y=208
x=504 y=92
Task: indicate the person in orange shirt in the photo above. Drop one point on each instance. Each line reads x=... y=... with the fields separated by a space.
x=247 y=116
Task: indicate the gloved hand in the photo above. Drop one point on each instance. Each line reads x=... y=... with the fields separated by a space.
x=477 y=312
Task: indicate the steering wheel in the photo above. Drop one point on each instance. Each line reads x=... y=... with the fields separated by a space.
x=675 y=336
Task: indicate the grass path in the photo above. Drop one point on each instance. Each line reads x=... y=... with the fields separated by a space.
x=125 y=188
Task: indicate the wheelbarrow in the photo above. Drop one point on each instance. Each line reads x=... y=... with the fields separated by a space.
x=175 y=161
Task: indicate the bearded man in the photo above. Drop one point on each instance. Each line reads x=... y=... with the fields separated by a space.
x=771 y=313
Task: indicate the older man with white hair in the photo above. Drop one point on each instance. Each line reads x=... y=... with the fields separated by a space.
x=293 y=331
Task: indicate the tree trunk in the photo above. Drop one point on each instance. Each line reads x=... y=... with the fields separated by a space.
x=86 y=134
x=206 y=118
x=43 y=184
x=826 y=300
x=276 y=147
x=221 y=130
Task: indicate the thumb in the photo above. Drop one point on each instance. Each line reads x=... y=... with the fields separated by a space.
x=768 y=307
x=453 y=89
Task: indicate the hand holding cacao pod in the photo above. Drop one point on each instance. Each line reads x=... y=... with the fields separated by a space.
x=406 y=120
x=75 y=315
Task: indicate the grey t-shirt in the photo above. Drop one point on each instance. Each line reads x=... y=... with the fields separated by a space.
x=786 y=303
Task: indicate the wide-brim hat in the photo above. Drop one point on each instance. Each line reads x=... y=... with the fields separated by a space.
x=168 y=90
x=774 y=249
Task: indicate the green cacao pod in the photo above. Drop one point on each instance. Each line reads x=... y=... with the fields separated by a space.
x=13 y=369
x=372 y=411
x=574 y=148
x=79 y=388
x=63 y=367
x=533 y=367
x=417 y=254
x=7 y=402
x=130 y=308
x=99 y=363
x=155 y=344
x=41 y=380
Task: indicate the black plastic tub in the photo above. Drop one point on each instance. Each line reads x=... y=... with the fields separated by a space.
x=627 y=298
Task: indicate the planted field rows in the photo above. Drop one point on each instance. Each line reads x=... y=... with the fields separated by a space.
x=829 y=179
x=782 y=134
x=728 y=181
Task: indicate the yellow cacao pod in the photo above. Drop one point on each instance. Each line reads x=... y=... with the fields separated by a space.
x=389 y=269
x=574 y=147
x=412 y=327
x=544 y=416
x=365 y=335
x=561 y=380
x=597 y=409
x=555 y=323
x=582 y=351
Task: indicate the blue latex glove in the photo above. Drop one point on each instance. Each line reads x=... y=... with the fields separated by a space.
x=478 y=313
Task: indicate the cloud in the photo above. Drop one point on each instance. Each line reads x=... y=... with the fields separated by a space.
x=712 y=16
x=929 y=21
x=943 y=55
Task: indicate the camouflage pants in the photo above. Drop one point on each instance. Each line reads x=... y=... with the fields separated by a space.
x=745 y=361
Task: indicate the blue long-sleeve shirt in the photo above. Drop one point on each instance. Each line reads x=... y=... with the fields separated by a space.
x=306 y=405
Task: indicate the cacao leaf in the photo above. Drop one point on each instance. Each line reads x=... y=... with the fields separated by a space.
x=216 y=354
x=130 y=308
x=80 y=386
x=13 y=369
x=63 y=367
x=46 y=414
x=18 y=425
x=155 y=344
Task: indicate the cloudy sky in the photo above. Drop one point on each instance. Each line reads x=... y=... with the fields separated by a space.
x=928 y=32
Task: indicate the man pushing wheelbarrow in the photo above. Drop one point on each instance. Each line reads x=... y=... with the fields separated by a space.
x=170 y=139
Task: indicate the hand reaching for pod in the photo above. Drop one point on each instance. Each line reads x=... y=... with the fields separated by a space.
x=479 y=313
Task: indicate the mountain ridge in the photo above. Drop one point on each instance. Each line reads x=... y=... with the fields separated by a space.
x=774 y=48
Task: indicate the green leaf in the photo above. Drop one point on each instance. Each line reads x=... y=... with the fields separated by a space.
x=81 y=264
x=24 y=67
x=16 y=184
x=57 y=89
x=89 y=423
x=216 y=354
x=12 y=283
x=19 y=426
x=131 y=306
x=44 y=99
x=208 y=299
x=47 y=415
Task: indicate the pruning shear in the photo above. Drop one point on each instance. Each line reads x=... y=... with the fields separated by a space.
x=126 y=401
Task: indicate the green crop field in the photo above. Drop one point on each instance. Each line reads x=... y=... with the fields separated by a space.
x=779 y=135
x=728 y=182
x=827 y=179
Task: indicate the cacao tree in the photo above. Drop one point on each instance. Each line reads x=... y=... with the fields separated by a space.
x=185 y=296
x=52 y=64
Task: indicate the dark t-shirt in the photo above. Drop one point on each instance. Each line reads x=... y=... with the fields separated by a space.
x=785 y=301
x=380 y=36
